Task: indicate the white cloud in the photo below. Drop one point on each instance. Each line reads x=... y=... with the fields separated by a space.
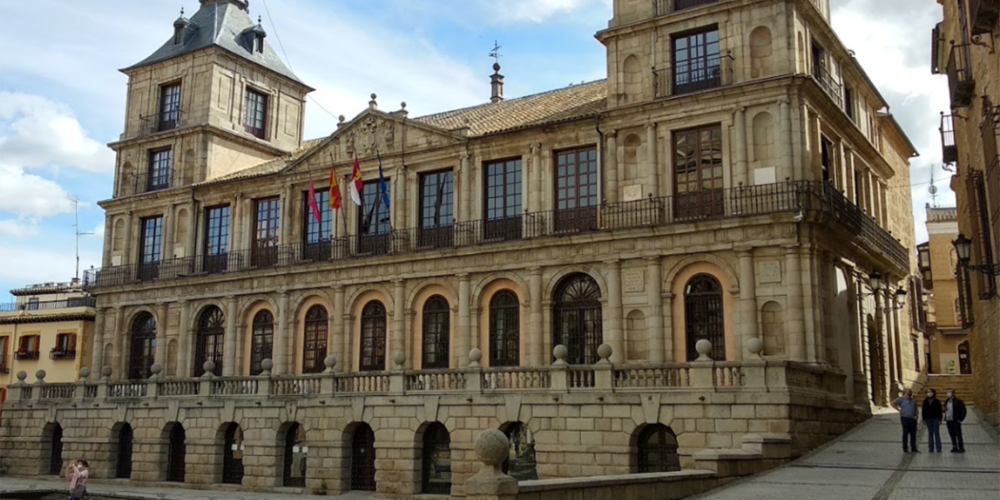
x=537 y=11
x=31 y=196
x=37 y=264
x=36 y=132
x=98 y=231
x=12 y=228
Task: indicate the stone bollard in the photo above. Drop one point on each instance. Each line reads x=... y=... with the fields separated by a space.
x=264 y=383
x=560 y=374
x=327 y=384
x=490 y=483
x=702 y=369
x=604 y=370
x=205 y=384
x=153 y=386
x=105 y=383
x=81 y=388
x=754 y=367
x=397 y=375
x=14 y=394
x=474 y=372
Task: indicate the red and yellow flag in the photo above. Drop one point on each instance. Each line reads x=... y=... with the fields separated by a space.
x=334 y=190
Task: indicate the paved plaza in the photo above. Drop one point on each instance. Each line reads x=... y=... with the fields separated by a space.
x=867 y=463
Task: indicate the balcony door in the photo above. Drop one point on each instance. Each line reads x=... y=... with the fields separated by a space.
x=697 y=63
x=503 y=200
x=151 y=248
x=217 y=240
x=437 y=209
x=267 y=218
x=576 y=190
x=374 y=226
x=698 y=179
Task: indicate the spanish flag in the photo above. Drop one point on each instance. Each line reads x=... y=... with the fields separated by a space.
x=334 y=191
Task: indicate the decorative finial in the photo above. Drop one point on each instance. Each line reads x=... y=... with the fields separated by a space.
x=182 y=11
x=402 y=105
x=259 y=21
x=374 y=96
x=495 y=53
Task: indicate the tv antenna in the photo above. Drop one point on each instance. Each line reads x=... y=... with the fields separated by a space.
x=933 y=190
x=495 y=53
x=76 y=232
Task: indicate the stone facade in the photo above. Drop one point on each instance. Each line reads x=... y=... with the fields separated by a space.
x=746 y=205
x=939 y=264
x=962 y=52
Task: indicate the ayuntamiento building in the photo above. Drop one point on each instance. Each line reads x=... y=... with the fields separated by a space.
x=736 y=178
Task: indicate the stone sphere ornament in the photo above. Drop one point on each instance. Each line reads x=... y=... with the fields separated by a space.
x=492 y=447
x=330 y=362
x=40 y=375
x=21 y=375
x=755 y=346
x=475 y=356
x=604 y=351
x=399 y=358
x=703 y=347
x=156 y=369
x=266 y=364
x=209 y=368
x=560 y=352
x=84 y=373
x=106 y=371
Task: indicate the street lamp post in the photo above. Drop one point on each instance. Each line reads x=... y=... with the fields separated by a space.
x=963 y=247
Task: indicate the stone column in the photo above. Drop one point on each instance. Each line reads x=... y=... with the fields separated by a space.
x=160 y=353
x=784 y=140
x=849 y=174
x=236 y=225
x=463 y=334
x=667 y=299
x=654 y=163
x=191 y=244
x=611 y=166
x=535 y=317
x=535 y=189
x=283 y=341
x=748 y=300
x=613 y=313
x=286 y=214
x=816 y=141
x=117 y=346
x=229 y=339
x=654 y=325
x=108 y=245
x=97 y=354
x=184 y=347
x=740 y=148
x=399 y=206
x=340 y=306
x=525 y=181
x=809 y=310
x=465 y=179
x=167 y=250
x=127 y=244
x=398 y=343
x=883 y=204
x=795 y=328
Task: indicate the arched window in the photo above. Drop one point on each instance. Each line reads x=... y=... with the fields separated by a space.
x=211 y=331
x=435 y=333
x=373 y=337
x=176 y=453
x=123 y=467
x=521 y=462
x=314 y=338
x=142 y=352
x=657 y=450
x=363 y=458
x=295 y=456
x=505 y=329
x=232 y=455
x=703 y=316
x=261 y=340
x=437 y=460
x=576 y=318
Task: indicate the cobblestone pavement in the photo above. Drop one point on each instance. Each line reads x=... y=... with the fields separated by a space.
x=869 y=464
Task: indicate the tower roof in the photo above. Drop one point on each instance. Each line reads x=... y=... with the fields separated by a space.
x=226 y=25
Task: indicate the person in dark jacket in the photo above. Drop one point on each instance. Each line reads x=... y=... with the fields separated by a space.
x=954 y=414
x=932 y=412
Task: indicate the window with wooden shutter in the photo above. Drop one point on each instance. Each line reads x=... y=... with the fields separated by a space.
x=965 y=319
x=982 y=237
x=991 y=209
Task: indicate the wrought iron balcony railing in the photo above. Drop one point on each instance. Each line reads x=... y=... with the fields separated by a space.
x=949 y=150
x=961 y=82
x=49 y=305
x=162 y=121
x=26 y=355
x=693 y=207
x=984 y=15
x=830 y=85
x=693 y=76
x=59 y=353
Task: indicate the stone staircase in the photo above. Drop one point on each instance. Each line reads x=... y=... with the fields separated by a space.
x=961 y=383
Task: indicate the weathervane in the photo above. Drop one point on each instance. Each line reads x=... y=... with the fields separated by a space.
x=933 y=190
x=495 y=53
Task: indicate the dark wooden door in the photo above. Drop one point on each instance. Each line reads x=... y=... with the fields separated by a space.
x=363 y=459
x=176 y=454
x=55 y=458
x=964 y=361
x=123 y=468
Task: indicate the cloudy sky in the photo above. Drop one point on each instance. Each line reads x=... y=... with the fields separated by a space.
x=62 y=98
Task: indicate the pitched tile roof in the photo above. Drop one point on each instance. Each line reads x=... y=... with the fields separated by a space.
x=225 y=25
x=271 y=166
x=548 y=107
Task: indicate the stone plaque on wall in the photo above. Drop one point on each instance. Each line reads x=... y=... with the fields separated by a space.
x=769 y=271
x=633 y=281
x=633 y=192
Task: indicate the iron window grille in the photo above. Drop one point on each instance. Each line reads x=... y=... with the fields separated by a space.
x=577 y=322
x=261 y=341
x=373 y=323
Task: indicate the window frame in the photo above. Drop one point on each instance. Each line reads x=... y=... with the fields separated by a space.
x=696 y=305
x=262 y=337
x=159 y=169
x=504 y=329
x=266 y=231
x=706 y=74
x=4 y=347
x=315 y=339
x=215 y=245
x=580 y=167
x=435 y=333
x=699 y=203
x=210 y=332
x=29 y=347
x=503 y=198
x=373 y=323
x=170 y=96
x=65 y=346
x=256 y=104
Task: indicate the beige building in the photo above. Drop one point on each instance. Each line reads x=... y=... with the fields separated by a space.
x=962 y=50
x=938 y=262
x=750 y=190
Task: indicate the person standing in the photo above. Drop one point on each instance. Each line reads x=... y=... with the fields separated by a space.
x=954 y=414
x=78 y=480
x=931 y=414
x=907 y=409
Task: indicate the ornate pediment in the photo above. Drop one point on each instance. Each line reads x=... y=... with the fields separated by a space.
x=372 y=133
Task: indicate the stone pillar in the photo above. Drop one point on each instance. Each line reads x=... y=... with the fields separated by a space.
x=740 y=148
x=334 y=342
x=611 y=166
x=614 y=311
x=883 y=204
x=108 y=245
x=286 y=212
x=465 y=197
x=97 y=353
x=282 y=338
x=849 y=174
x=236 y=225
x=229 y=339
x=525 y=181
x=398 y=343
x=340 y=306
x=190 y=245
x=784 y=140
x=535 y=317
x=795 y=328
x=816 y=141
x=535 y=189
x=127 y=244
x=810 y=310
x=167 y=250
x=399 y=206
x=667 y=299
x=654 y=324
x=160 y=354
x=654 y=163
x=463 y=334
x=117 y=349
x=748 y=300
x=184 y=345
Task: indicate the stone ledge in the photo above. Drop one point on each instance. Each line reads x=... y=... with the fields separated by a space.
x=604 y=481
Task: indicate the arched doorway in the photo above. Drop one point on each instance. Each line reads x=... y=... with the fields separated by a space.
x=576 y=318
x=363 y=458
x=657 y=450
x=176 y=453
x=876 y=363
x=703 y=316
x=142 y=352
x=232 y=455
x=505 y=329
x=123 y=464
x=261 y=341
x=209 y=340
x=964 y=360
x=520 y=463
x=55 y=448
x=294 y=471
x=436 y=460
x=436 y=330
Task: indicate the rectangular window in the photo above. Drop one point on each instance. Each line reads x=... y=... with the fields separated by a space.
x=698 y=183
x=65 y=346
x=317 y=234
x=170 y=106
x=32 y=304
x=983 y=240
x=28 y=347
x=374 y=226
x=826 y=159
x=255 y=113
x=576 y=189
x=159 y=169
x=150 y=247
x=849 y=103
x=503 y=200
x=437 y=209
x=697 y=62
x=4 y=347
x=916 y=353
x=216 y=249
x=266 y=227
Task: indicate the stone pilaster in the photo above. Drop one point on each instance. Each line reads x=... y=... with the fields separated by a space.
x=614 y=311
x=654 y=325
x=160 y=354
x=465 y=182
x=535 y=317
x=184 y=345
x=97 y=353
x=344 y=330
x=740 y=147
x=464 y=332
x=748 y=300
x=795 y=328
x=283 y=338
x=398 y=342
x=229 y=339
x=611 y=166
x=535 y=188
x=118 y=347
x=653 y=168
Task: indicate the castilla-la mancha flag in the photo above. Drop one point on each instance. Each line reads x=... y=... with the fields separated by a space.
x=356 y=184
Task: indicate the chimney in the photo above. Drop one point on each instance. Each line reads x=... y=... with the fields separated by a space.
x=496 y=82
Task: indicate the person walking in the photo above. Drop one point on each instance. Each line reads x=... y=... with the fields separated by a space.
x=931 y=413
x=907 y=409
x=954 y=414
x=78 y=480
